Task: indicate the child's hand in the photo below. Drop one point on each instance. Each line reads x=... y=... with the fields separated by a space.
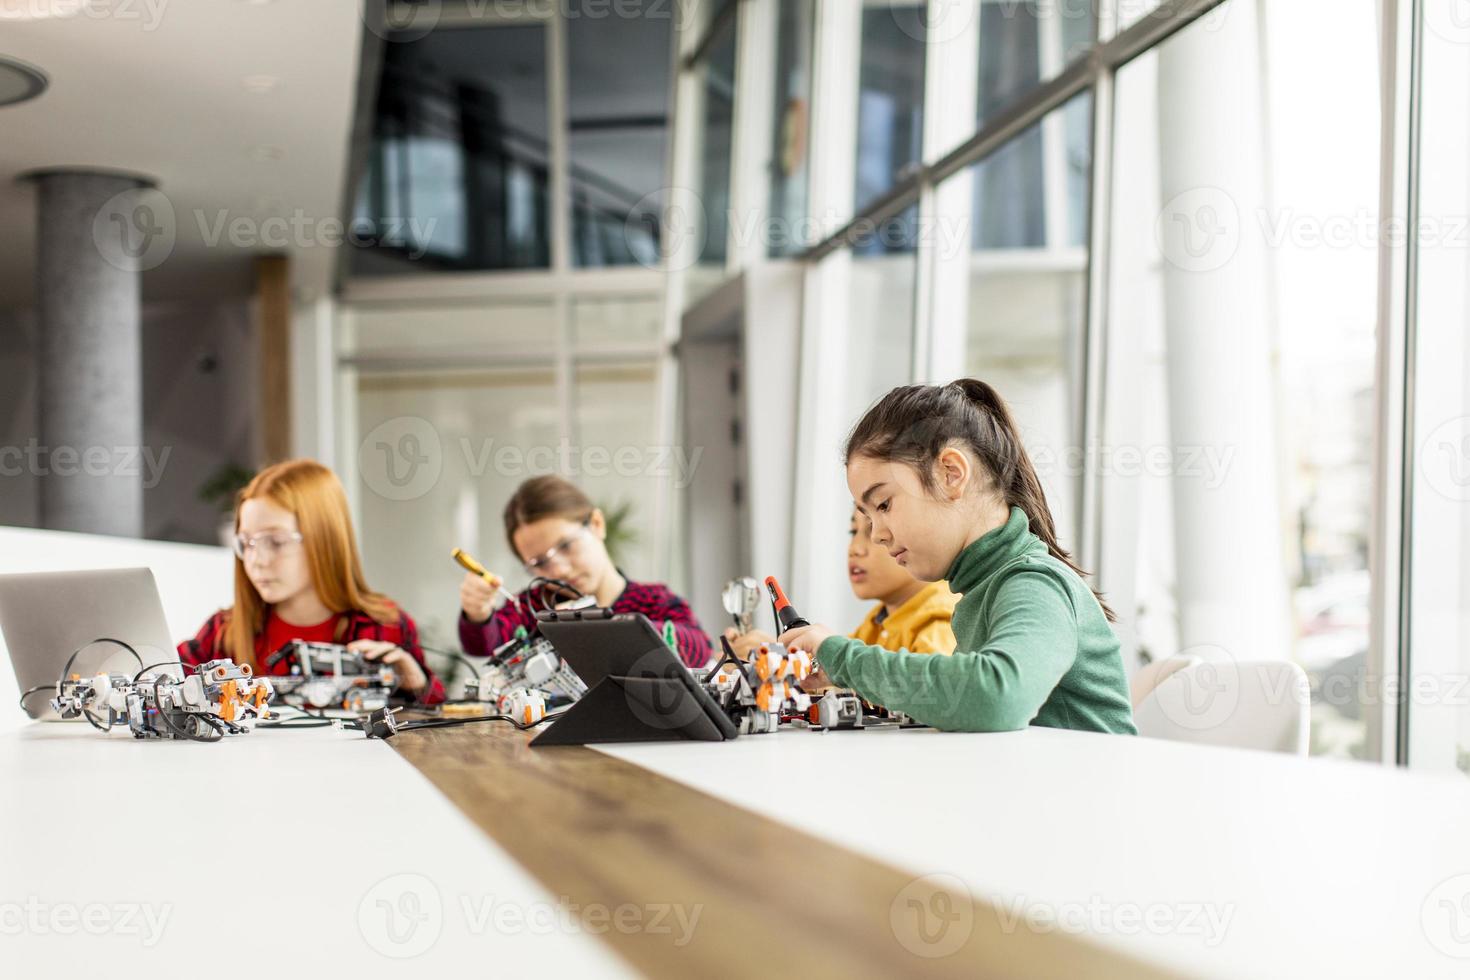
x=411 y=676
x=745 y=644
x=806 y=638
x=478 y=598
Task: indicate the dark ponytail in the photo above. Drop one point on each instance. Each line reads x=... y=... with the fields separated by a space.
x=913 y=424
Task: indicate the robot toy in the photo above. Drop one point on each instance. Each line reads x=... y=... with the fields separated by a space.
x=219 y=698
x=327 y=675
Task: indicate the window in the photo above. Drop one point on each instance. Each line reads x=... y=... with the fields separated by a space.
x=790 y=146
x=1021 y=286
x=457 y=175
x=1236 y=459
x=617 y=120
x=890 y=121
x=713 y=160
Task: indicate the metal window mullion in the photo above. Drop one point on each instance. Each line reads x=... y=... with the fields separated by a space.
x=1391 y=546
x=1169 y=18
x=556 y=100
x=1094 y=334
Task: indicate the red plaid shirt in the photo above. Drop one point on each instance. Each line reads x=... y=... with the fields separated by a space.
x=351 y=625
x=651 y=599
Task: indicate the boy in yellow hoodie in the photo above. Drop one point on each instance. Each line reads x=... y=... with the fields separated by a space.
x=910 y=615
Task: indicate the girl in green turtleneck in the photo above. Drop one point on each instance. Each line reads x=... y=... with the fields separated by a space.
x=941 y=476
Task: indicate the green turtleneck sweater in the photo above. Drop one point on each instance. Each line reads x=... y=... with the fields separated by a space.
x=1033 y=647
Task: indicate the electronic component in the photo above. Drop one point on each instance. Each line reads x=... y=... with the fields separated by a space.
x=740 y=598
x=786 y=614
x=526 y=663
x=219 y=698
x=328 y=675
x=837 y=710
x=760 y=694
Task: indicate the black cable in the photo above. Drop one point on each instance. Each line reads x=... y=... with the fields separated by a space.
x=454 y=655
x=27 y=693
x=410 y=726
x=66 y=670
x=165 y=663
x=176 y=730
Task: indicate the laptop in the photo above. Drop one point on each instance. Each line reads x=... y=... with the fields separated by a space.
x=46 y=617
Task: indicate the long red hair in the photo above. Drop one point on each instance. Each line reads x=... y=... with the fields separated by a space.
x=313 y=493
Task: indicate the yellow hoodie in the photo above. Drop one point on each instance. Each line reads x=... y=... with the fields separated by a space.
x=920 y=625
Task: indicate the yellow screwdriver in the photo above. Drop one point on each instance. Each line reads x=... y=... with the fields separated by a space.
x=469 y=564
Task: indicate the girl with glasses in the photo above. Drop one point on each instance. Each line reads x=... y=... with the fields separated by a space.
x=298 y=577
x=557 y=533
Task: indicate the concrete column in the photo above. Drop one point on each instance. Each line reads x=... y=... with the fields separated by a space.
x=1218 y=302
x=91 y=370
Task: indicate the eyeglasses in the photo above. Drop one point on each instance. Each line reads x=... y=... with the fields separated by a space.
x=266 y=545
x=566 y=548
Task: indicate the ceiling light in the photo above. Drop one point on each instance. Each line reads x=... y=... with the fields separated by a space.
x=19 y=82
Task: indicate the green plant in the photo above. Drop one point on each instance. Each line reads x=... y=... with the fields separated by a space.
x=620 y=531
x=220 y=490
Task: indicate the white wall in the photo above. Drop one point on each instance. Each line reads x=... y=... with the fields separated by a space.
x=193 y=582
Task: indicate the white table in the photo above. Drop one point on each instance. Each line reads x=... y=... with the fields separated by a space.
x=1229 y=863
x=1311 y=868
x=275 y=854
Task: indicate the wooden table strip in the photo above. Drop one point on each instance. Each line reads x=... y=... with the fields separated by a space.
x=596 y=830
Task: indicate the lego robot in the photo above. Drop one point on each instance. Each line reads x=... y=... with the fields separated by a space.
x=327 y=675
x=526 y=663
x=219 y=698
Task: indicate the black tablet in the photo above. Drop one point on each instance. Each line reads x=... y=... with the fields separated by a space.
x=625 y=652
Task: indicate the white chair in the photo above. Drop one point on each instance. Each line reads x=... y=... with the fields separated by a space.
x=1256 y=705
x=1152 y=674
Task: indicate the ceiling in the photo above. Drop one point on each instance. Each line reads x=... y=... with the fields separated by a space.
x=240 y=108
